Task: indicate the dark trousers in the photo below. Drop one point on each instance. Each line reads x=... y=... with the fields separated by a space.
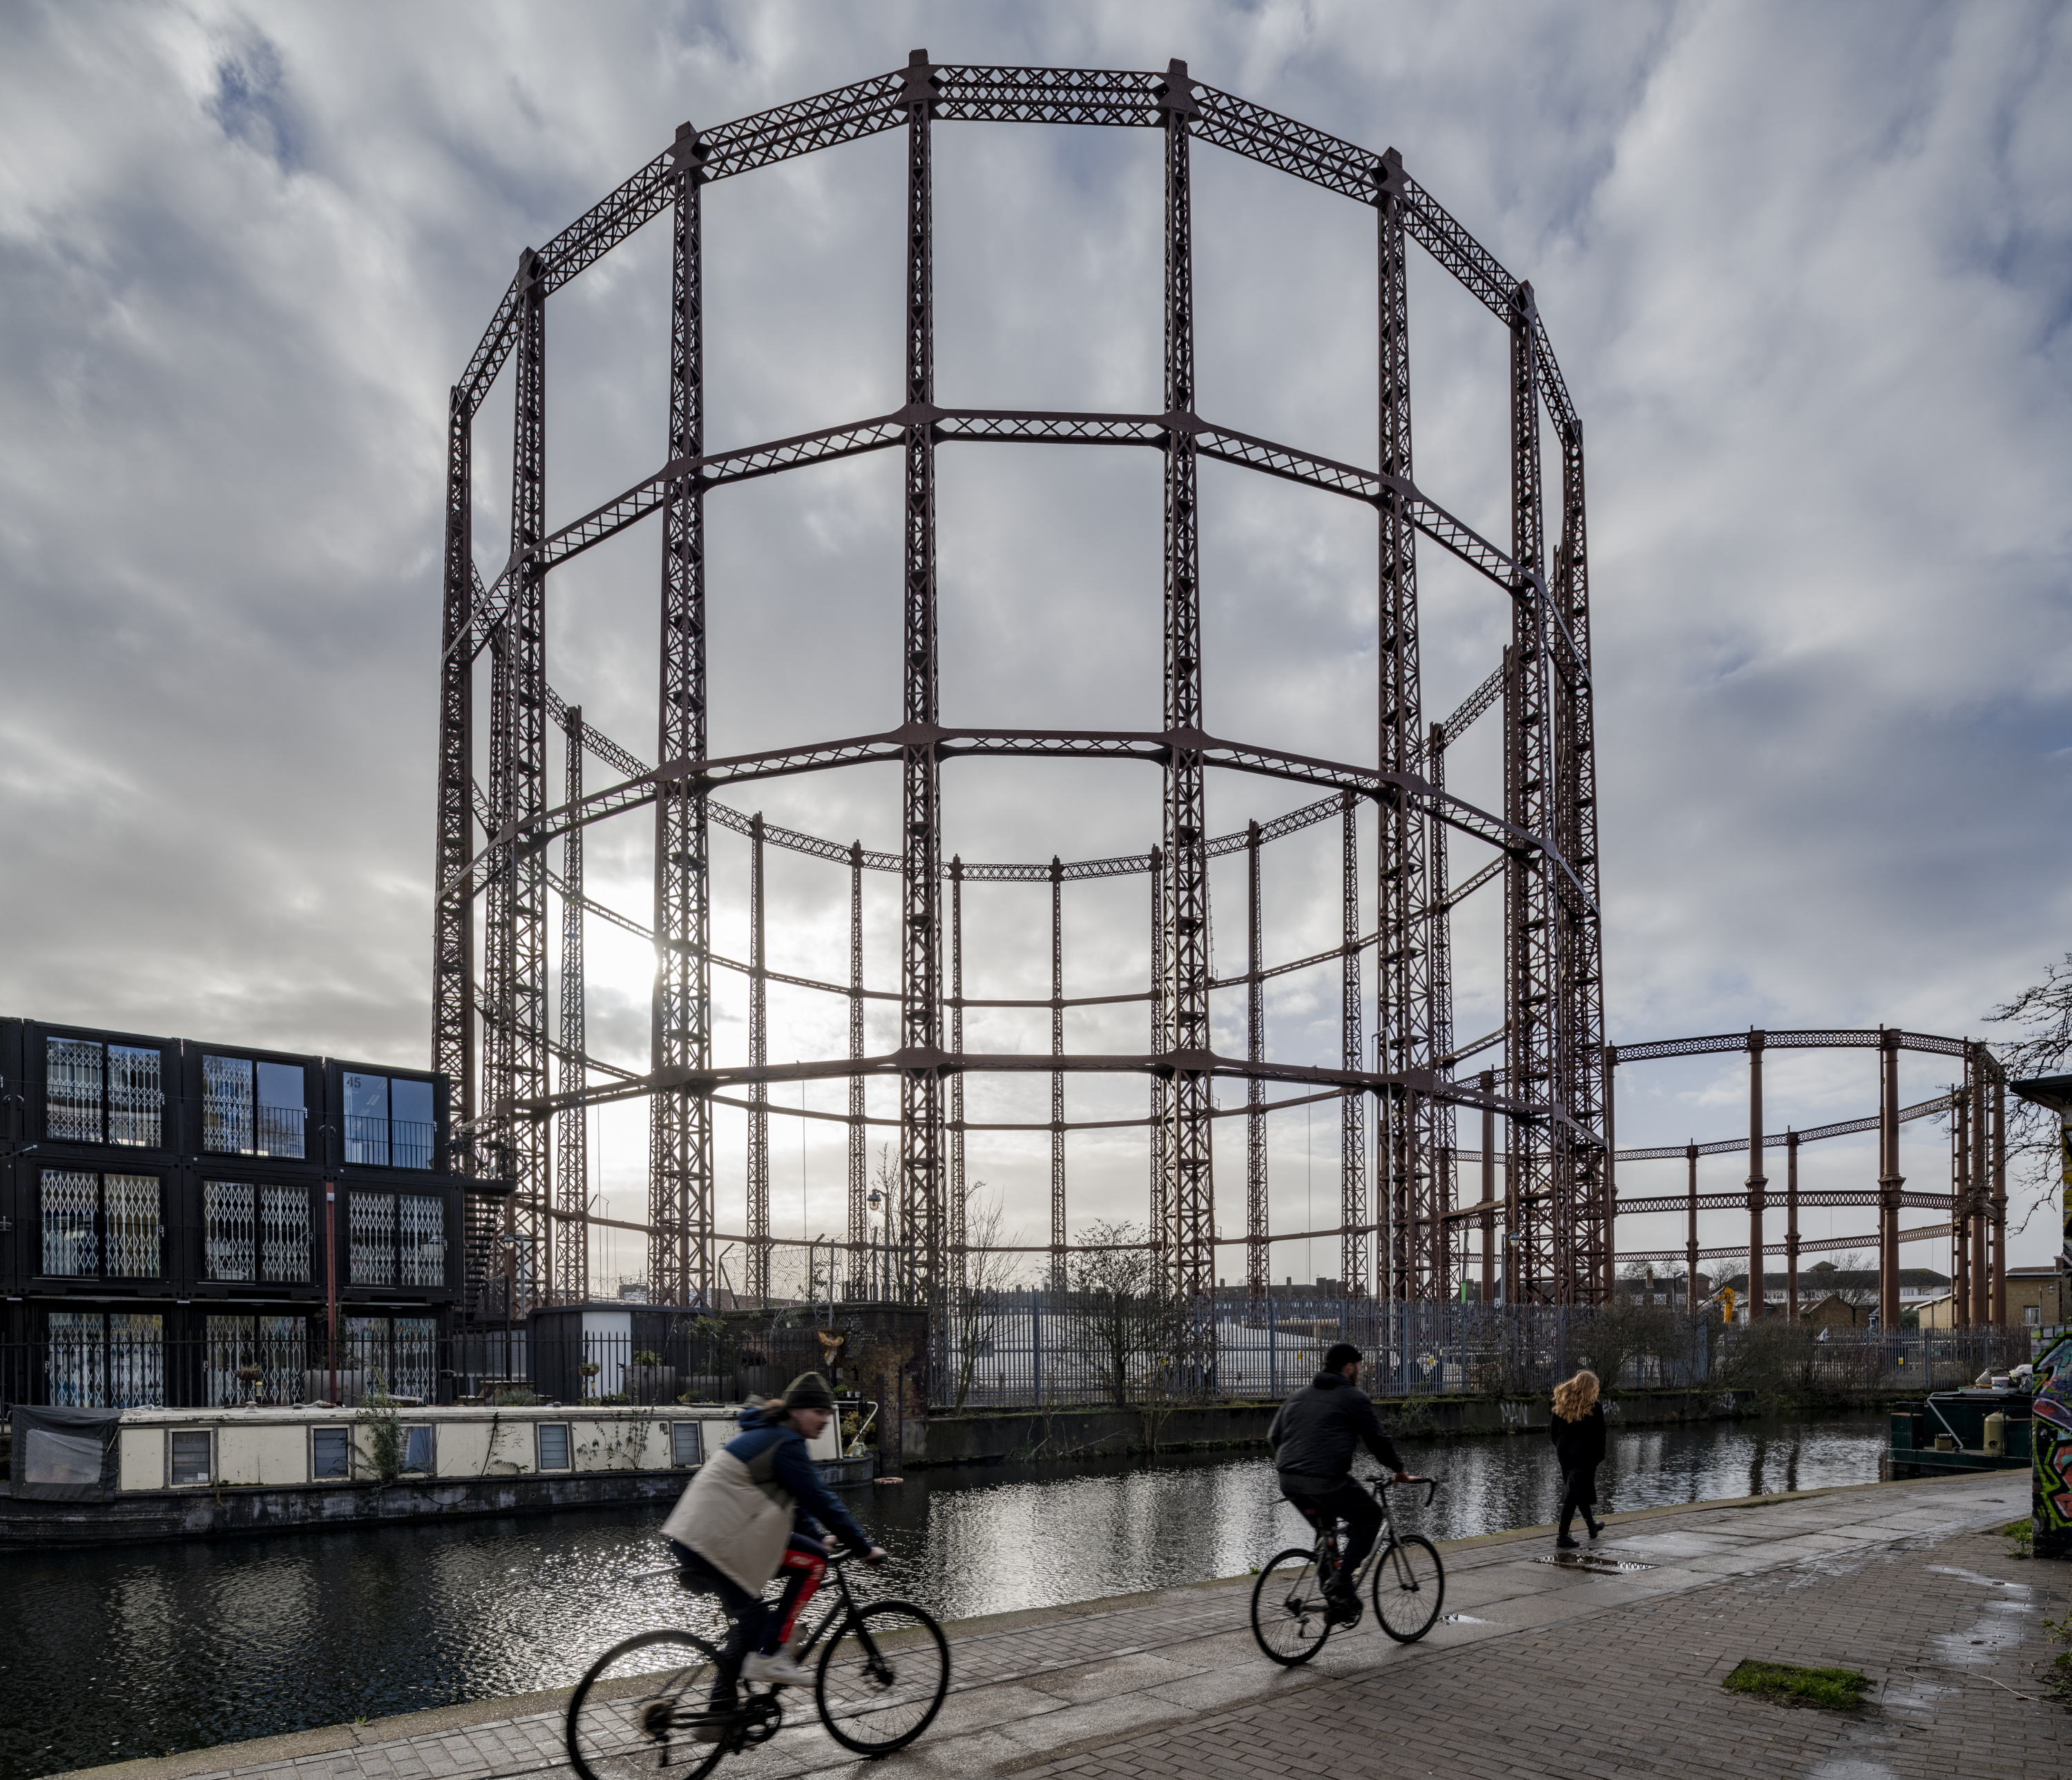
x=1579 y=1491
x=756 y=1624
x=1349 y=1503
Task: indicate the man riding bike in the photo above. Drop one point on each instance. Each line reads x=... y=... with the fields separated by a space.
x=1313 y=1436
x=756 y=1507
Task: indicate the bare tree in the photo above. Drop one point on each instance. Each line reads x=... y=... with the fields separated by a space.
x=988 y=1271
x=1126 y=1313
x=2034 y=1145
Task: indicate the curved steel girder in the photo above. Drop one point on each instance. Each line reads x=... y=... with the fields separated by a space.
x=1035 y=426
x=1151 y=745
x=944 y=1062
x=1664 y=1203
x=1778 y=1139
x=1857 y=1038
x=1831 y=1245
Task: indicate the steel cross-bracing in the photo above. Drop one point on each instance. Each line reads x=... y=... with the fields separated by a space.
x=1397 y=1230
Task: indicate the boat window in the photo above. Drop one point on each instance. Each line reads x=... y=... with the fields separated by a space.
x=418 y=1449
x=684 y=1447
x=553 y=1446
x=189 y=1457
x=331 y=1453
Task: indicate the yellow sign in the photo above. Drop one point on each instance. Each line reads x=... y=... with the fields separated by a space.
x=1727 y=1301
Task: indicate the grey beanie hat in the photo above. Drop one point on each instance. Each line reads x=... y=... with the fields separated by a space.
x=808 y=1391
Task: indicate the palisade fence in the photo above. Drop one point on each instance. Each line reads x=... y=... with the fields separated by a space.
x=1022 y=1348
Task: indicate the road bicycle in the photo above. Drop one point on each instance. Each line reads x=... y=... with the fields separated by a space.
x=1290 y=1616
x=671 y=1703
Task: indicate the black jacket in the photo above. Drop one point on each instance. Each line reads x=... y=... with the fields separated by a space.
x=1580 y=1446
x=1316 y=1432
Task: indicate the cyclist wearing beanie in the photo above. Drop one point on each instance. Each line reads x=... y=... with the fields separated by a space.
x=1313 y=1436
x=755 y=1509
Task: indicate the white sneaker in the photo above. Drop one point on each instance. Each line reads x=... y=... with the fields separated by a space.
x=777 y=1668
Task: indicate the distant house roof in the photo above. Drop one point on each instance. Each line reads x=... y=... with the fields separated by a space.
x=2042 y=1272
x=1824 y=1278
x=2055 y=1092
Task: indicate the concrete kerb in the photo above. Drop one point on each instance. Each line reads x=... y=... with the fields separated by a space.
x=465 y=1715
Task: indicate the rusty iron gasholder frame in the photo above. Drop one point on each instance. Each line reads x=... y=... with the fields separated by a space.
x=494 y=1040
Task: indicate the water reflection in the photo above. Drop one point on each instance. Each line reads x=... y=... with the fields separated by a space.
x=178 y=1646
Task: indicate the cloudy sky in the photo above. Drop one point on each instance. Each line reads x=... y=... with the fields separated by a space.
x=1806 y=269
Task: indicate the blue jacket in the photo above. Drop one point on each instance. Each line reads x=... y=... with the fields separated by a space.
x=782 y=1448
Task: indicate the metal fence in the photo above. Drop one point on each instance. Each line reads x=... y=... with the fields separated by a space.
x=1030 y=1348
x=1018 y=1349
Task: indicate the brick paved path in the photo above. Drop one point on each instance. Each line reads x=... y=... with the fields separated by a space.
x=1537 y=1670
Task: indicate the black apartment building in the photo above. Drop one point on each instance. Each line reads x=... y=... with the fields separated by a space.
x=178 y=1219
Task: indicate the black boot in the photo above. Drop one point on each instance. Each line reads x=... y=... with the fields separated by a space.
x=1596 y=1526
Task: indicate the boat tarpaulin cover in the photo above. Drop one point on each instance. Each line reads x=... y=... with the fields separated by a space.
x=65 y=1455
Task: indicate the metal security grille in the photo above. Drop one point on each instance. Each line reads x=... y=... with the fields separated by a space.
x=228 y=1231
x=275 y=1349
x=226 y=1105
x=75 y=1366
x=135 y=1236
x=422 y=1242
x=72 y=1090
x=136 y=1359
x=416 y=1362
x=372 y=1231
x=135 y=1099
x=284 y=1235
x=70 y=1249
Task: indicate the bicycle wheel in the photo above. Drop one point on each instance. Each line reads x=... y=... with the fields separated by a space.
x=637 y=1713
x=882 y=1677
x=1409 y=1584
x=1288 y=1616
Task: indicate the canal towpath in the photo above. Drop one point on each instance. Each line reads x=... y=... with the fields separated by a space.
x=1609 y=1664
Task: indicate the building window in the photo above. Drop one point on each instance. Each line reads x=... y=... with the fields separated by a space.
x=254 y=1233
x=370 y=1218
x=420 y=1245
x=390 y=1122
x=395 y=1355
x=96 y=1359
x=95 y=1093
x=331 y=1453
x=2032 y=1314
x=683 y=1445
x=189 y=1457
x=397 y=1239
x=553 y=1445
x=251 y=1108
x=101 y=1225
x=254 y=1359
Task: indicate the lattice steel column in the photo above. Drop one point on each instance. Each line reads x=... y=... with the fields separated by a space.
x=1528 y=910
x=960 y=1262
x=859 y=1161
x=1960 y=1200
x=1449 y=1250
x=515 y=974
x=1579 y=933
x=1189 y=1167
x=1402 y=991
x=1756 y=1180
x=1257 y=1278
x=758 y=1092
x=1890 y=1182
x=680 y=1266
x=921 y=976
x=1984 y=1246
x=1058 y=1270
x=568 y=1237
x=1353 y=1279
x=453 y=910
x=1159 y=1215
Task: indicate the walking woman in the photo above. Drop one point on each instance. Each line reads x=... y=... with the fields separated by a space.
x=1578 y=1434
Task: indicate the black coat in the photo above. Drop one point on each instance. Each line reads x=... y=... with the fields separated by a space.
x=1317 y=1430
x=1580 y=1447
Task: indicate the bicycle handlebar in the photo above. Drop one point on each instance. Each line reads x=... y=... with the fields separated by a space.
x=1431 y=1485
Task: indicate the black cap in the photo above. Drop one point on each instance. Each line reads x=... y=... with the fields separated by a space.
x=808 y=1391
x=1341 y=1354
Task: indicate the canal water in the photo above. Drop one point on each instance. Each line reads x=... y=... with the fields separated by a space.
x=143 y=1650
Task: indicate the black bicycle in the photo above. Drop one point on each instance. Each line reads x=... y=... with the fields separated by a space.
x=670 y=1703
x=1290 y=1616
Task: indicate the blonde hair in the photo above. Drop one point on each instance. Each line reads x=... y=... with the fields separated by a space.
x=1572 y=1397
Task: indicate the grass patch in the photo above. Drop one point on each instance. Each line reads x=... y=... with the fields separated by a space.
x=1841 y=1688
x=2020 y=1535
